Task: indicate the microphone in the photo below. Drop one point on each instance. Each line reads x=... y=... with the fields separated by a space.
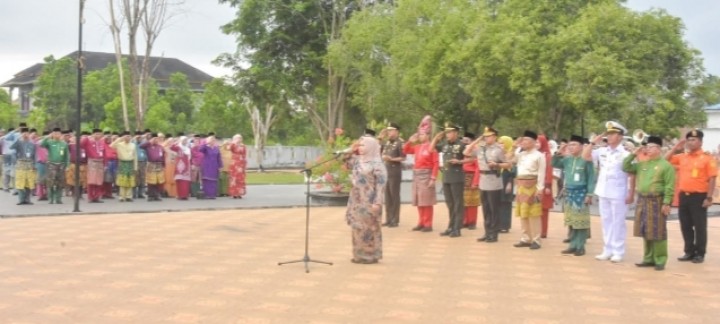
x=344 y=151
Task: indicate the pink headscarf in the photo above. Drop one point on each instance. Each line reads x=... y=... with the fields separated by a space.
x=372 y=149
x=425 y=125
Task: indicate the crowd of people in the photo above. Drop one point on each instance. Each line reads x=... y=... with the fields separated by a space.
x=123 y=165
x=494 y=171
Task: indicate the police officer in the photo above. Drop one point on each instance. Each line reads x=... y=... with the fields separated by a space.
x=452 y=154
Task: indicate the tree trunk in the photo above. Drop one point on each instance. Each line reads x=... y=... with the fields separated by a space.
x=115 y=29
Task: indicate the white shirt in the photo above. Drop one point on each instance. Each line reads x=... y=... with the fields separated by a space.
x=612 y=182
x=532 y=163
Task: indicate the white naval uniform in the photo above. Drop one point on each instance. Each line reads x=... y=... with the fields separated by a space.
x=612 y=190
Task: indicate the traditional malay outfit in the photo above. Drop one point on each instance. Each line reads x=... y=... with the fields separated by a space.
x=9 y=158
x=612 y=191
x=238 y=169
x=96 y=149
x=453 y=180
x=182 y=167
x=547 y=197
x=425 y=171
x=58 y=161
x=471 y=192
x=127 y=166
x=507 y=195
x=170 y=185
x=655 y=188
x=196 y=163
x=212 y=163
x=393 y=155
x=25 y=175
x=696 y=171
x=364 y=210
x=531 y=170
x=578 y=185
x=224 y=179
x=41 y=160
x=70 y=172
x=155 y=173
x=139 y=190
x=111 y=165
x=489 y=159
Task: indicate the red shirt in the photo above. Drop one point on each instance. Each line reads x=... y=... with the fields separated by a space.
x=110 y=154
x=94 y=149
x=472 y=167
x=425 y=156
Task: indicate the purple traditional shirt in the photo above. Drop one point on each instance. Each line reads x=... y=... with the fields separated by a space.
x=212 y=162
x=155 y=152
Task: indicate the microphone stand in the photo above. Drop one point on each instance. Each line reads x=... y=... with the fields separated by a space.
x=306 y=258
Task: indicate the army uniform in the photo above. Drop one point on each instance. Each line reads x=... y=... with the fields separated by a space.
x=393 y=149
x=453 y=182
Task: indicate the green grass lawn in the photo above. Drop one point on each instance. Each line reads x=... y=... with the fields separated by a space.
x=274 y=177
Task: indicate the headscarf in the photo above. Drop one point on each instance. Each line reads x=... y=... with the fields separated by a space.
x=372 y=149
x=507 y=144
x=425 y=125
x=184 y=147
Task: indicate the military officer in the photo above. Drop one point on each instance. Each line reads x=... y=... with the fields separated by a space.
x=393 y=156
x=452 y=153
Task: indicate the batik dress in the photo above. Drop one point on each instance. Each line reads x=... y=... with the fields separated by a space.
x=237 y=170
x=368 y=188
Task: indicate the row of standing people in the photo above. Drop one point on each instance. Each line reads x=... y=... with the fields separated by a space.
x=131 y=165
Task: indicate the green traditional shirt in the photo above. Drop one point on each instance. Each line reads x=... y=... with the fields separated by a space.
x=58 y=151
x=577 y=172
x=656 y=176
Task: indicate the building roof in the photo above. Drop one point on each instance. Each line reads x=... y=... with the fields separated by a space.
x=162 y=68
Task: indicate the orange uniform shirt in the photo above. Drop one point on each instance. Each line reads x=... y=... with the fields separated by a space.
x=694 y=170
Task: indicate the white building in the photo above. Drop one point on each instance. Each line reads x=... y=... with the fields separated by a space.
x=712 y=128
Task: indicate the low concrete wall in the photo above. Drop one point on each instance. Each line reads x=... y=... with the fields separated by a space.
x=283 y=157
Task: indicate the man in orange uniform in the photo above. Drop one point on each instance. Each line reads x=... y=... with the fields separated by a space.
x=697 y=171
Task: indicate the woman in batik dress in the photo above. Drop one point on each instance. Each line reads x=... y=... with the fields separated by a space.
x=237 y=167
x=364 y=210
x=181 y=147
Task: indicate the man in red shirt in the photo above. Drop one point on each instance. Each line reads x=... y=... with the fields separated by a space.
x=95 y=149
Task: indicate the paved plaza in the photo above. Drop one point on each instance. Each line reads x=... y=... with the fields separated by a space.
x=222 y=267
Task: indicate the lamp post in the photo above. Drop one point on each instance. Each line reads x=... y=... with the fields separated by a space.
x=80 y=67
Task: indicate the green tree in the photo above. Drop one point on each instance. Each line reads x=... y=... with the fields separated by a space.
x=102 y=103
x=8 y=111
x=221 y=111
x=55 y=93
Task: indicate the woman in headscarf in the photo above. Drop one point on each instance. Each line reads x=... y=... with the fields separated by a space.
x=224 y=180
x=364 y=210
x=170 y=184
x=425 y=172
x=547 y=196
x=181 y=147
x=212 y=163
x=237 y=167
x=507 y=196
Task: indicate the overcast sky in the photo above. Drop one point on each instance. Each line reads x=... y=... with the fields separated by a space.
x=33 y=29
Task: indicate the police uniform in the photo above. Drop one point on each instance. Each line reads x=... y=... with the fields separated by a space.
x=453 y=181
x=491 y=185
x=393 y=148
x=612 y=190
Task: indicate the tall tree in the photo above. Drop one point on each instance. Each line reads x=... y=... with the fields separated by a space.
x=55 y=93
x=8 y=111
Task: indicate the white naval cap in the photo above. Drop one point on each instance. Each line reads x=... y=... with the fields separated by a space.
x=615 y=127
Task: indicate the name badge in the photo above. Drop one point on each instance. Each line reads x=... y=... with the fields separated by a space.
x=82 y=154
x=161 y=153
x=695 y=172
x=62 y=152
x=27 y=154
x=577 y=177
x=101 y=154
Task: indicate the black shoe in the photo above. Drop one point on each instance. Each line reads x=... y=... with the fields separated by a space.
x=482 y=239
x=504 y=231
x=698 y=259
x=687 y=257
x=417 y=228
x=580 y=252
x=522 y=244
x=446 y=233
x=645 y=264
x=566 y=241
x=454 y=234
x=659 y=267
x=141 y=197
x=121 y=200
x=492 y=239
x=385 y=224
x=426 y=229
x=471 y=227
x=21 y=203
x=569 y=251
x=43 y=199
x=393 y=225
x=534 y=246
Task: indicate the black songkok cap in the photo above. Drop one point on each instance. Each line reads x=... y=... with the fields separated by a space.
x=24 y=129
x=577 y=138
x=96 y=130
x=469 y=135
x=46 y=133
x=654 y=140
x=369 y=132
x=56 y=129
x=695 y=133
x=33 y=130
x=530 y=134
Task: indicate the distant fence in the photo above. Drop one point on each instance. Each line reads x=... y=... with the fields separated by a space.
x=280 y=157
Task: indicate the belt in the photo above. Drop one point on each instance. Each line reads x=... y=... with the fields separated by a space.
x=526 y=177
x=489 y=172
x=693 y=193
x=650 y=195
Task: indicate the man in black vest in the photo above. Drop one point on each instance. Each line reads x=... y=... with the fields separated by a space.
x=451 y=152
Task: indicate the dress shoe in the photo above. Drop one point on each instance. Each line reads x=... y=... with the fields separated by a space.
x=616 y=259
x=393 y=225
x=687 y=257
x=698 y=259
x=482 y=239
x=659 y=267
x=426 y=229
x=543 y=236
x=644 y=264
x=361 y=261
x=417 y=228
x=141 y=197
x=566 y=241
x=446 y=233
x=534 y=246
x=579 y=252
x=472 y=227
x=522 y=244
x=504 y=231
x=569 y=251
x=603 y=257
x=385 y=224
x=454 y=234
x=491 y=239
x=43 y=199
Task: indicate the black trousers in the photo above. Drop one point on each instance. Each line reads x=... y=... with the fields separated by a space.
x=392 y=195
x=693 y=222
x=491 y=211
x=454 y=199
